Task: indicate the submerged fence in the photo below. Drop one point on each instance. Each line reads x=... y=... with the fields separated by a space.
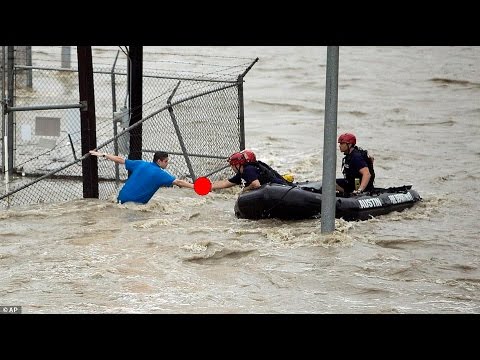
x=197 y=120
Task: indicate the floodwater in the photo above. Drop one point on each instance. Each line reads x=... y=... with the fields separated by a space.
x=416 y=109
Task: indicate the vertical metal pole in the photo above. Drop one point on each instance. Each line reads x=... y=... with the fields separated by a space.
x=115 y=122
x=241 y=114
x=10 y=95
x=88 y=121
x=136 y=98
x=3 y=100
x=66 y=57
x=28 y=62
x=329 y=142
x=114 y=93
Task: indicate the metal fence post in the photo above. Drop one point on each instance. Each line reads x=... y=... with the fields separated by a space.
x=241 y=114
x=10 y=123
x=115 y=121
x=28 y=62
x=88 y=121
x=4 y=107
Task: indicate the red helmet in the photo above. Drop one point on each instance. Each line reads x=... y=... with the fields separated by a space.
x=347 y=138
x=249 y=155
x=242 y=157
x=237 y=159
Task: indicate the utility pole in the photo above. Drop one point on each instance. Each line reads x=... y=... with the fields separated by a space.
x=329 y=142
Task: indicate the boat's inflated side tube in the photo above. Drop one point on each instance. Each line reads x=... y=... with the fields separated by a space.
x=304 y=201
x=363 y=207
x=278 y=201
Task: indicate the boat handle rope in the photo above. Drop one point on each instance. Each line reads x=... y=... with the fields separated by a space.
x=267 y=212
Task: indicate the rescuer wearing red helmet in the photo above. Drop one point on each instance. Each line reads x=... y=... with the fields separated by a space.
x=254 y=172
x=357 y=166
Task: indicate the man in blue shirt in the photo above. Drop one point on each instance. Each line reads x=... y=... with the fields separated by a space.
x=145 y=177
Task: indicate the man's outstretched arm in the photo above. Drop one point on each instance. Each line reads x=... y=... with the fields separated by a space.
x=115 y=158
x=222 y=184
x=182 y=183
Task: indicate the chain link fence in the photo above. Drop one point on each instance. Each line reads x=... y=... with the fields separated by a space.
x=197 y=120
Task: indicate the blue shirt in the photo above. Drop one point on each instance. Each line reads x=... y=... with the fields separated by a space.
x=145 y=179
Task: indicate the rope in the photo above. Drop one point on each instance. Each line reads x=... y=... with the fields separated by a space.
x=267 y=212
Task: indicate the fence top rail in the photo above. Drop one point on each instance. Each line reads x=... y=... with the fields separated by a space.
x=45 y=107
x=109 y=72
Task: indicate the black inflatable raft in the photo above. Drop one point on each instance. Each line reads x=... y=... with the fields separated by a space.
x=304 y=201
